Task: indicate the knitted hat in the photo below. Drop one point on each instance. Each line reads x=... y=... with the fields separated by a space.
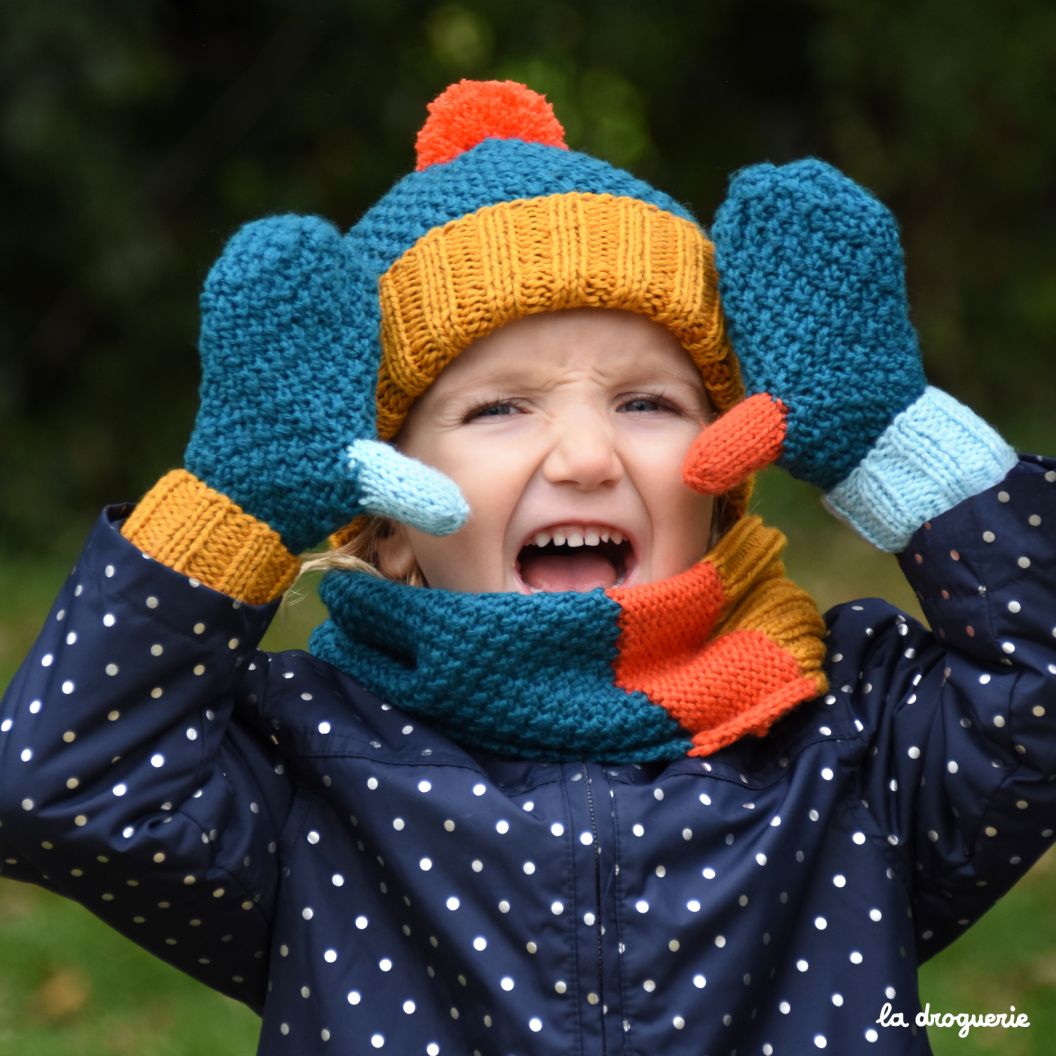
x=501 y=220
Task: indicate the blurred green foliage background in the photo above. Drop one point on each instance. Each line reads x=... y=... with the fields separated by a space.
x=137 y=135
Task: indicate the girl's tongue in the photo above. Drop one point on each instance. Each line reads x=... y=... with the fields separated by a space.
x=584 y=568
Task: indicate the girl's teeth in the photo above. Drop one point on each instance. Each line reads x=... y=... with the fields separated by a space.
x=577 y=537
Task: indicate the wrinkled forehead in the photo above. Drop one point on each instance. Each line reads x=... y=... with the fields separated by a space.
x=540 y=351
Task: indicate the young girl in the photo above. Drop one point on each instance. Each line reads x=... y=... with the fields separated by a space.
x=572 y=766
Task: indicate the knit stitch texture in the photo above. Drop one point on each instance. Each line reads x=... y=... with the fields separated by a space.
x=811 y=277
x=286 y=388
x=637 y=674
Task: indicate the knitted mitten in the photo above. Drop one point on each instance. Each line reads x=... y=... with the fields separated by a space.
x=286 y=422
x=813 y=290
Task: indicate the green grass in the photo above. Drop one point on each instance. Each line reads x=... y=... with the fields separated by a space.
x=70 y=985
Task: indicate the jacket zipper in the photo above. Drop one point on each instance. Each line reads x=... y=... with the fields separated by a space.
x=598 y=918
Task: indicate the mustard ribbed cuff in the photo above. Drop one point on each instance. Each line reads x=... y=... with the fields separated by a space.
x=202 y=534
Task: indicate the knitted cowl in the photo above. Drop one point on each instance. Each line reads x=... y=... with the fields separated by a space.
x=682 y=666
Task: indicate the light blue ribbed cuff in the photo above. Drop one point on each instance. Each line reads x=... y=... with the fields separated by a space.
x=935 y=454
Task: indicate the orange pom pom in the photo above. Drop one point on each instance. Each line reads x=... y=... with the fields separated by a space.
x=469 y=112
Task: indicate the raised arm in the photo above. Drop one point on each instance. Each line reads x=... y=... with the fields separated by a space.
x=135 y=776
x=958 y=755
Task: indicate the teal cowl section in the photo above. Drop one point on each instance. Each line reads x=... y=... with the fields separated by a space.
x=525 y=676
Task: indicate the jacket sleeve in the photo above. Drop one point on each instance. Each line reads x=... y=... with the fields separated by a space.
x=959 y=771
x=133 y=777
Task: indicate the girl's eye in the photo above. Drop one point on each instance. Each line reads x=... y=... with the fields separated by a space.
x=495 y=409
x=647 y=405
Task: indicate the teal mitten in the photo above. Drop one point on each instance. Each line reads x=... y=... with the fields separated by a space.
x=286 y=422
x=813 y=290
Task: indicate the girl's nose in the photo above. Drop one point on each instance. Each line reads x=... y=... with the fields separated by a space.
x=583 y=453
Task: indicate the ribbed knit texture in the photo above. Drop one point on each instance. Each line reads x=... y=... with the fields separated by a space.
x=685 y=665
x=934 y=455
x=462 y=281
x=811 y=276
x=195 y=530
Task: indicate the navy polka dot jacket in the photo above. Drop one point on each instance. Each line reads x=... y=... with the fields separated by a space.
x=267 y=826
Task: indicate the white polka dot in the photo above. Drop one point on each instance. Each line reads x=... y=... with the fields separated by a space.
x=157 y=760
x=720 y=941
x=480 y=943
x=760 y=858
x=1003 y=496
x=361 y=923
x=856 y=957
x=586 y=839
x=1034 y=520
x=377 y=1040
x=859 y=838
x=913 y=752
x=408 y=1007
x=678 y=1023
x=699 y=981
x=557 y=829
x=871 y=1035
x=826 y=773
x=152 y=602
x=506 y=983
x=535 y=1024
x=307 y=912
x=337 y=880
x=952 y=767
x=820 y=923
x=67 y=687
x=819 y=1041
x=875 y=915
x=988 y=536
x=557 y=908
x=330 y=956
x=801 y=965
x=120 y=789
x=529 y=868
x=1023 y=562
x=425 y=864
x=638 y=830
x=353 y=997
x=452 y=903
x=323 y=727
x=837 y=1000
x=385 y=964
x=785 y=1008
x=479 y=790
x=502 y=827
x=642 y=906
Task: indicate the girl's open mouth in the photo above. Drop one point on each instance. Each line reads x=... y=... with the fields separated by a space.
x=575 y=557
